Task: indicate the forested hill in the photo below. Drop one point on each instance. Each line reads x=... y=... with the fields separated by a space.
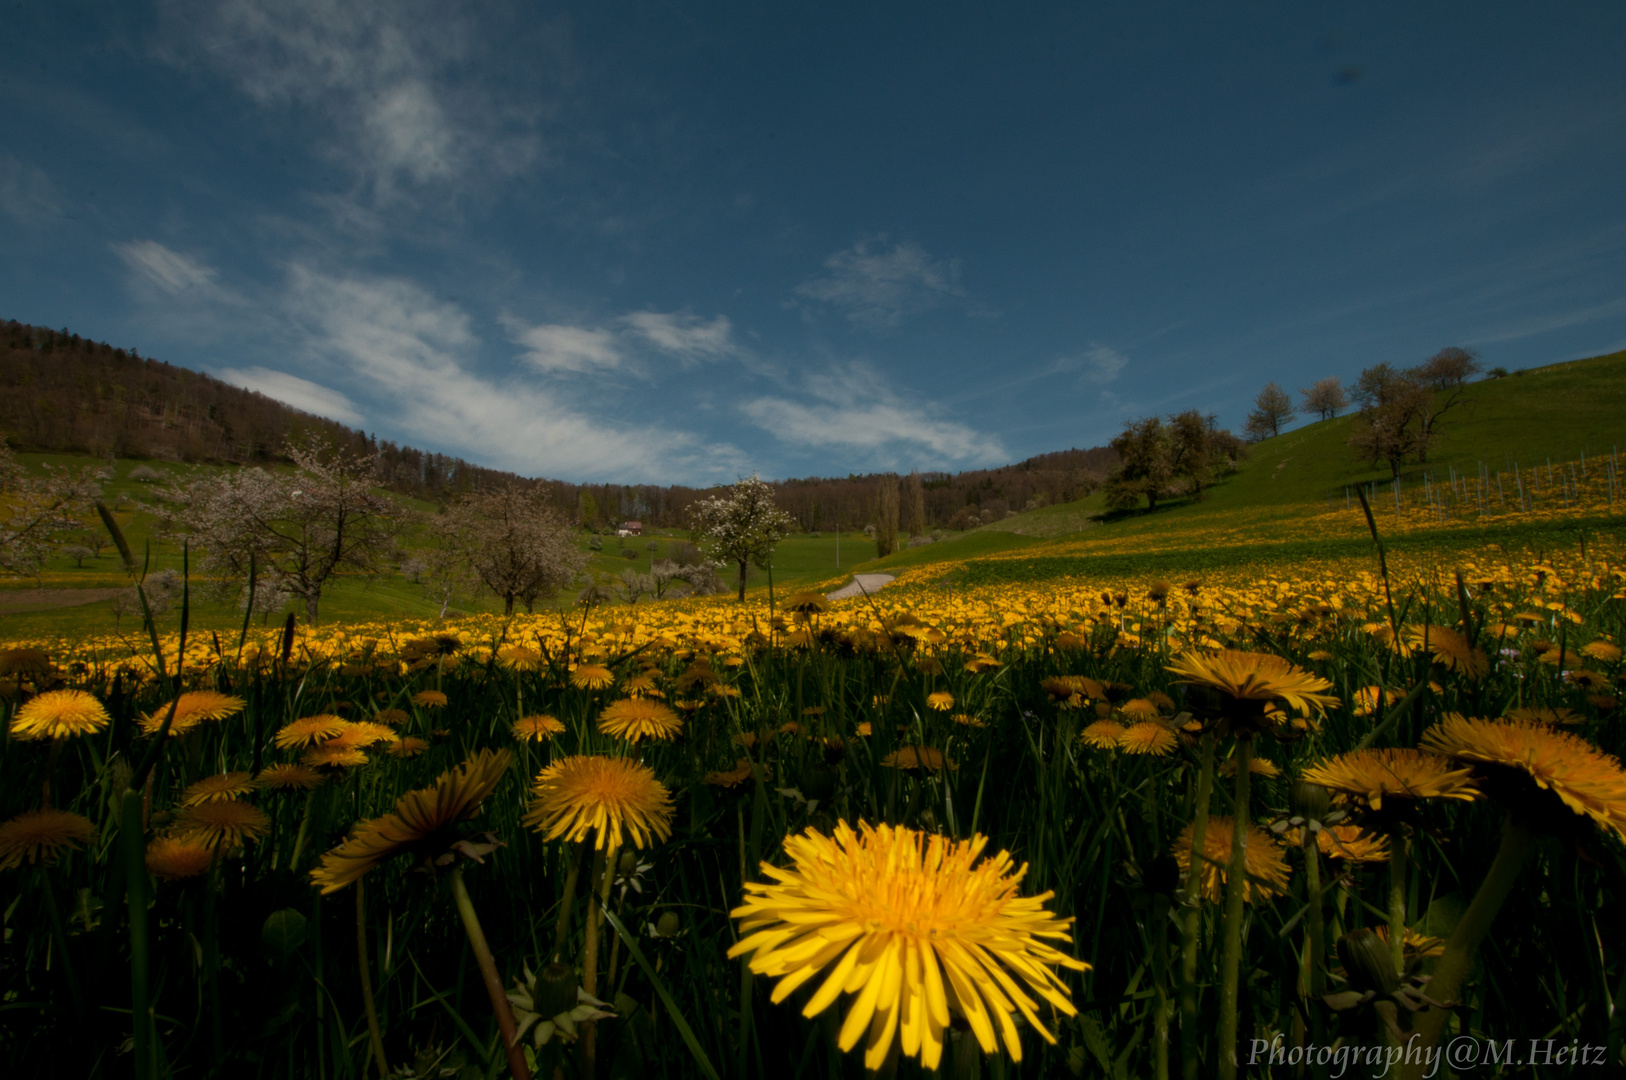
x=61 y=393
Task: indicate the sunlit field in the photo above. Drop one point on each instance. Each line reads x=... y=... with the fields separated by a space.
x=636 y=821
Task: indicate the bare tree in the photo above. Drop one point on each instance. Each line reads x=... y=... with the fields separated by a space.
x=741 y=526
x=301 y=529
x=1401 y=409
x=915 y=503
x=516 y=543
x=34 y=510
x=886 y=517
x=1271 y=409
x=1325 y=396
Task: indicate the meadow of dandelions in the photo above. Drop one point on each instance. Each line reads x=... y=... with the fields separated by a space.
x=1120 y=827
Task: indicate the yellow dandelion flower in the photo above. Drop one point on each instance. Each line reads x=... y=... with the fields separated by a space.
x=1584 y=778
x=940 y=700
x=593 y=677
x=1450 y=649
x=393 y=717
x=731 y=778
x=1254 y=676
x=1375 y=775
x=980 y=663
x=230 y=785
x=59 y=714
x=865 y=728
x=1369 y=698
x=191 y=709
x=1266 y=867
x=24 y=662
x=1543 y=714
x=919 y=759
x=806 y=603
x=429 y=699
x=1139 y=709
x=421 y=822
x=639 y=718
x=913 y=926
x=619 y=800
x=40 y=835
x=326 y=755
x=308 y=730
x=1103 y=734
x=1148 y=737
x=967 y=720
x=226 y=823
x=539 y=728
x=288 y=778
x=1348 y=842
x=362 y=734
x=1602 y=651
x=174 y=859
x=407 y=747
x=1257 y=766
x=519 y=657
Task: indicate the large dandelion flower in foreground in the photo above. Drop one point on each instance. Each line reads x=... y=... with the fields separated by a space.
x=1584 y=778
x=591 y=677
x=1267 y=869
x=1253 y=676
x=1148 y=737
x=191 y=709
x=420 y=822
x=914 y=926
x=288 y=778
x=1450 y=649
x=639 y=718
x=59 y=714
x=1375 y=775
x=616 y=798
x=40 y=834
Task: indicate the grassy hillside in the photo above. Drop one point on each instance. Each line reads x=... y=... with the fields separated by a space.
x=1264 y=510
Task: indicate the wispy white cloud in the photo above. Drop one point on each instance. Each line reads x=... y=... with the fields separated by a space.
x=556 y=347
x=378 y=74
x=26 y=193
x=687 y=336
x=168 y=270
x=415 y=354
x=852 y=408
x=1102 y=363
x=292 y=390
x=877 y=288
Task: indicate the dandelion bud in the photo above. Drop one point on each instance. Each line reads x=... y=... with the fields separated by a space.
x=626 y=864
x=668 y=924
x=1368 y=963
x=1312 y=802
x=554 y=990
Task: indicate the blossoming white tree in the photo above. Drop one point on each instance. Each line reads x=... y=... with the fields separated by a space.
x=35 y=509
x=300 y=530
x=513 y=540
x=740 y=526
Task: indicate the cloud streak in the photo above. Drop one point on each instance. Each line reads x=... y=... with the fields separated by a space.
x=853 y=409
x=292 y=390
x=879 y=288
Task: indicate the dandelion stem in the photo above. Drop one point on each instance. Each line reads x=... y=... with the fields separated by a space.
x=1189 y=1035
x=488 y=974
x=135 y=874
x=1517 y=843
x=1399 y=848
x=375 y=1036
x=1236 y=883
x=562 y=931
x=603 y=871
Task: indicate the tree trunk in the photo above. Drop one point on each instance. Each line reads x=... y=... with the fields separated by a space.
x=508 y=605
x=311 y=599
x=743 y=565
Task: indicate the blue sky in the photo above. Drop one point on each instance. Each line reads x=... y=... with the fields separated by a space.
x=683 y=242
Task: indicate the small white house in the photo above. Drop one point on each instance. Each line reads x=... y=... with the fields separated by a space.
x=630 y=528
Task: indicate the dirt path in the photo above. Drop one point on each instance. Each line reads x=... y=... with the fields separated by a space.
x=20 y=600
x=860 y=584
